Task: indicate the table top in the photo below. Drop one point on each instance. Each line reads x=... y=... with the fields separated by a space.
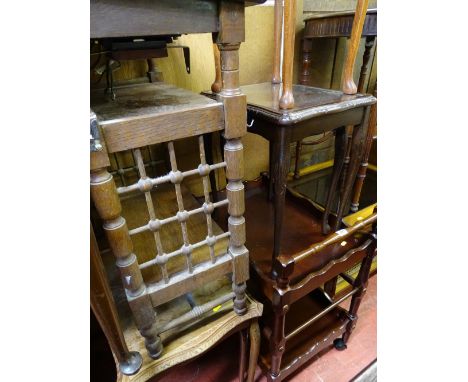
x=309 y=102
x=337 y=14
x=152 y=113
x=338 y=24
x=140 y=100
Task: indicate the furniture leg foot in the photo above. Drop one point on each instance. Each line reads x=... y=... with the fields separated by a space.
x=132 y=364
x=339 y=344
x=240 y=301
x=154 y=347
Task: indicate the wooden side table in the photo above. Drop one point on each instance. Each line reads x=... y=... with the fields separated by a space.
x=335 y=25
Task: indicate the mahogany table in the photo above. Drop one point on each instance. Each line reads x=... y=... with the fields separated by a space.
x=335 y=25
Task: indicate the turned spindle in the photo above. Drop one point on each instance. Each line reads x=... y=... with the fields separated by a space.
x=235 y=117
x=105 y=198
x=287 y=98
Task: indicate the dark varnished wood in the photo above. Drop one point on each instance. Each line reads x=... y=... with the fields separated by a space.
x=361 y=176
x=338 y=163
x=284 y=226
x=314 y=339
x=296 y=237
x=310 y=102
x=338 y=24
x=284 y=290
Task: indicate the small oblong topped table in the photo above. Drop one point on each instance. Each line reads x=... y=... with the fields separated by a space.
x=315 y=111
x=335 y=25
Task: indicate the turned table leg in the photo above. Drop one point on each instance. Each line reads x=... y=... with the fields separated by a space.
x=340 y=147
x=304 y=78
x=254 y=334
x=361 y=176
x=357 y=144
x=360 y=89
x=153 y=74
x=365 y=63
x=361 y=282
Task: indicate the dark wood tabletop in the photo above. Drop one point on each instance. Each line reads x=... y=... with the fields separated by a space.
x=338 y=24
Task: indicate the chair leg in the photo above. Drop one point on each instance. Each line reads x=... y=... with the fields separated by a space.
x=240 y=299
x=243 y=354
x=254 y=333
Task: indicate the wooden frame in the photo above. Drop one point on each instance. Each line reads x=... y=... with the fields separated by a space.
x=128 y=124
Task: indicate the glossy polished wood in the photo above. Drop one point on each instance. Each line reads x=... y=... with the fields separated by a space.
x=338 y=24
x=296 y=237
x=310 y=102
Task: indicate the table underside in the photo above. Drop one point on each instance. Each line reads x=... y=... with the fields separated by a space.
x=143 y=18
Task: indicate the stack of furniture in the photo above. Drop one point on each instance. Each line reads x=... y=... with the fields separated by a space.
x=172 y=257
x=297 y=249
x=178 y=266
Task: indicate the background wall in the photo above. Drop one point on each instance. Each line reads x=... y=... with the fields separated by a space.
x=256 y=55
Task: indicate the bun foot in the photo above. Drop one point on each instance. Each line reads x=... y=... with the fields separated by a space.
x=339 y=344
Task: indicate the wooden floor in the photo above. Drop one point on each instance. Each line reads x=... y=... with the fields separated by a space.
x=219 y=365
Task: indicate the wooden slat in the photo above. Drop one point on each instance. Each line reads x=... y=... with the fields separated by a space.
x=136 y=132
x=185 y=282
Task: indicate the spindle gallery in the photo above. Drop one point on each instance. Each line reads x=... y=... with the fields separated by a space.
x=233 y=189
